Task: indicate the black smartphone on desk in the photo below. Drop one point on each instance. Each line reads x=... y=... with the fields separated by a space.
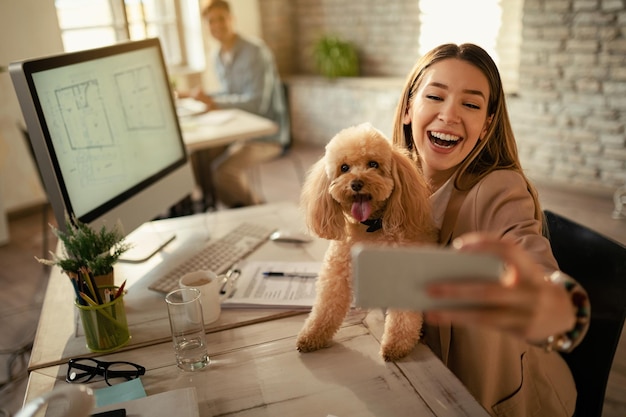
x=396 y=277
x=120 y=412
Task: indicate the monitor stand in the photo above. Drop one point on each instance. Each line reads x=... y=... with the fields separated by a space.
x=145 y=242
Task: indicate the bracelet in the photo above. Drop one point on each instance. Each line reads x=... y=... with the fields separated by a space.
x=566 y=341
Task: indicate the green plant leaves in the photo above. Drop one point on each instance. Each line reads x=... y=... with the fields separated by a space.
x=98 y=250
x=335 y=58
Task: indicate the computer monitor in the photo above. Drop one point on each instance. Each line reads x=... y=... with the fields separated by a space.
x=106 y=137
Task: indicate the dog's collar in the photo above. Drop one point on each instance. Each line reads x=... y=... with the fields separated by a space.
x=374 y=224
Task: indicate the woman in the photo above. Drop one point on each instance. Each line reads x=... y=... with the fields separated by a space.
x=452 y=117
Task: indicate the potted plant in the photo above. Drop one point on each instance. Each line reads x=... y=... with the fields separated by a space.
x=335 y=58
x=84 y=247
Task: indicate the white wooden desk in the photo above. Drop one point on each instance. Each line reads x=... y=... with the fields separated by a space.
x=59 y=335
x=214 y=129
x=222 y=127
x=255 y=368
x=256 y=371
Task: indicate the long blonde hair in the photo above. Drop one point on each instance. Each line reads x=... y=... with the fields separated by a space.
x=497 y=149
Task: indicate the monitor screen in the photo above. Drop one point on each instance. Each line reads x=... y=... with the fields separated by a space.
x=105 y=133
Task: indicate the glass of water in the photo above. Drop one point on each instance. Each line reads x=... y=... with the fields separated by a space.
x=185 y=312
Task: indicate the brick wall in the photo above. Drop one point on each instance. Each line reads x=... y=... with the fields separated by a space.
x=321 y=108
x=384 y=33
x=569 y=115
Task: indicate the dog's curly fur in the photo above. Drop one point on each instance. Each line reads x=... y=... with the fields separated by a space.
x=362 y=176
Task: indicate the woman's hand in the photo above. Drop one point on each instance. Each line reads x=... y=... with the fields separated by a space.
x=523 y=303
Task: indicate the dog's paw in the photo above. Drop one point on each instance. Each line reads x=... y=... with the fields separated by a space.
x=306 y=343
x=396 y=350
x=394 y=353
x=402 y=332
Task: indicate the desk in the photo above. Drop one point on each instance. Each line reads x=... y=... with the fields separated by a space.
x=56 y=340
x=255 y=369
x=223 y=127
x=215 y=129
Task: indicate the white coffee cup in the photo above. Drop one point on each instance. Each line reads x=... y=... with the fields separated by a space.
x=77 y=400
x=209 y=284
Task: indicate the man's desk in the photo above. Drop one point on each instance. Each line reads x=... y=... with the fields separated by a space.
x=255 y=368
x=216 y=129
x=223 y=127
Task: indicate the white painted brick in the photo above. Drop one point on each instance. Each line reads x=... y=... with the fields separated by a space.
x=585 y=5
x=576 y=45
x=611 y=5
x=614 y=159
x=618 y=74
x=605 y=126
x=612 y=142
x=591 y=148
x=588 y=86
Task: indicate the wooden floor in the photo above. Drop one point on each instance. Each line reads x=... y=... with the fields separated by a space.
x=23 y=280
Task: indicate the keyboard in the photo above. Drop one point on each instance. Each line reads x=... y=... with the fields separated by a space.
x=218 y=255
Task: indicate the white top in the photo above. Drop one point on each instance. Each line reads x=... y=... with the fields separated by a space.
x=439 y=201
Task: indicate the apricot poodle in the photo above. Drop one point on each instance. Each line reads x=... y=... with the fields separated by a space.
x=362 y=190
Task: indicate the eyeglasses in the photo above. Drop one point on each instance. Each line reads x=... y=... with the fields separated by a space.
x=82 y=370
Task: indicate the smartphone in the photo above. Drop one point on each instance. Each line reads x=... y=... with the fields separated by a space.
x=396 y=277
x=119 y=412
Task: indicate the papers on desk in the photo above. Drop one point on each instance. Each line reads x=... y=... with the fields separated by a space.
x=180 y=403
x=206 y=120
x=186 y=107
x=254 y=289
x=215 y=118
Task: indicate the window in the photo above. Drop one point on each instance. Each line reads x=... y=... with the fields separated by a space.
x=495 y=25
x=475 y=22
x=89 y=24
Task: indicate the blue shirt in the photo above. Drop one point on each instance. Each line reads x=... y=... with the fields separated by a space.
x=250 y=82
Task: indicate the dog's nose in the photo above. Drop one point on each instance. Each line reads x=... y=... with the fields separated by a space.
x=356 y=185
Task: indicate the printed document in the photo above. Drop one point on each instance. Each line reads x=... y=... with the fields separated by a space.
x=274 y=284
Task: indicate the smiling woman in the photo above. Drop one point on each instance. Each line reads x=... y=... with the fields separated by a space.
x=452 y=117
x=448 y=118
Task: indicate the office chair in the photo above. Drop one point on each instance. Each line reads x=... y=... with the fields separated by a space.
x=599 y=265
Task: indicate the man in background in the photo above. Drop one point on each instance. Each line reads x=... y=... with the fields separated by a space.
x=249 y=80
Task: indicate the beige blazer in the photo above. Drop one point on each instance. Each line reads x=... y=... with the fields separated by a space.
x=508 y=376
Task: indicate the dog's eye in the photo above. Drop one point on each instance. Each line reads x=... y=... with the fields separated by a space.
x=345 y=168
x=373 y=164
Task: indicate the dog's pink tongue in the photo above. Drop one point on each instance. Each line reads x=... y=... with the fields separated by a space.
x=361 y=210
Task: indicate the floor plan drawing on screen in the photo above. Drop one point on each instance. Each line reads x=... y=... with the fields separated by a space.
x=137 y=89
x=84 y=115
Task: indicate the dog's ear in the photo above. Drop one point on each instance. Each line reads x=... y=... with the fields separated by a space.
x=409 y=206
x=322 y=214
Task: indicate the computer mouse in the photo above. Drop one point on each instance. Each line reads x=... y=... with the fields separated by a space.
x=290 y=236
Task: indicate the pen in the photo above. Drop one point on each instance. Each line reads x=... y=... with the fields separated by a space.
x=290 y=274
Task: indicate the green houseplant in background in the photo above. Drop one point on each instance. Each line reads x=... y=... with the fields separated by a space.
x=84 y=247
x=335 y=58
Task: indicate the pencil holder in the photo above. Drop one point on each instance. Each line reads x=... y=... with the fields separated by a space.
x=105 y=324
